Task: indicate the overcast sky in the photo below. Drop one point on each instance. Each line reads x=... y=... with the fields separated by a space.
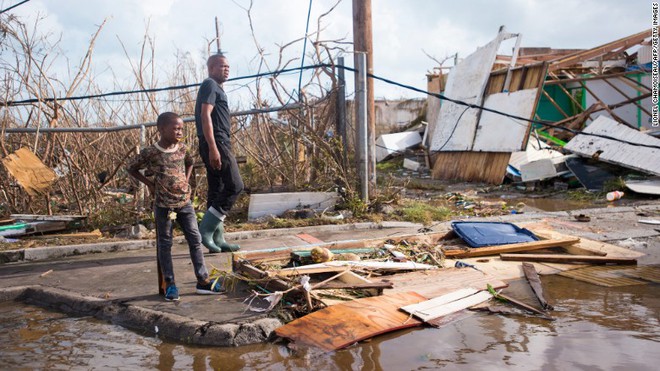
x=402 y=30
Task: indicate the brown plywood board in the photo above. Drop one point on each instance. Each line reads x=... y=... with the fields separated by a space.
x=341 y=325
x=29 y=171
x=489 y=167
x=434 y=283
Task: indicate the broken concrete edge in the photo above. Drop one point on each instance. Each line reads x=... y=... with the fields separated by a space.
x=148 y=322
x=53 y=252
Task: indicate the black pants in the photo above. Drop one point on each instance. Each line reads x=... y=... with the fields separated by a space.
x=224 y=185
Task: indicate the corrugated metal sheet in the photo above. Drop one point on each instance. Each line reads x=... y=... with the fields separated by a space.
x=607 y=150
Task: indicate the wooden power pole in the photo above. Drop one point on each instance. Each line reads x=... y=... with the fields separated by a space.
x=363 y=42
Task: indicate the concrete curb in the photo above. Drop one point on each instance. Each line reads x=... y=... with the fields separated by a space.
x=169 y=326
x=54 y=252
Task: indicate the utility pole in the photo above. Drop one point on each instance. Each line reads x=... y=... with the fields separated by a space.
x=363 y=42
x=217 y=35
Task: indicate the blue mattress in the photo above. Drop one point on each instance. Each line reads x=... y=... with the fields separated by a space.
x=480 y=234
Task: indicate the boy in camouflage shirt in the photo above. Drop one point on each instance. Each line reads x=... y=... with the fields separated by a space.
x=171 y=164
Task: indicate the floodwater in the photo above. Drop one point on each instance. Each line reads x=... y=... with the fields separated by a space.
x=595 y=328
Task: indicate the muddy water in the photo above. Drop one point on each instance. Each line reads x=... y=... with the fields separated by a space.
x=595 y=328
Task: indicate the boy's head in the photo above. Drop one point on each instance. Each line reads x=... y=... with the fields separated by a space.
x=170 y=127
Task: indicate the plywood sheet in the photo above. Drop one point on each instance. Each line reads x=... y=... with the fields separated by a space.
x=262 y=204
x=447 y=304
x=455 y=128
x=614 y=151
x=488 y=167
x=343 y=324
x=28 y=170
x=497 y=133
x=434 y=283
x=608 y=276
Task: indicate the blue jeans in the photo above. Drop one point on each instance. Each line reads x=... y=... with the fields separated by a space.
x=187 y=219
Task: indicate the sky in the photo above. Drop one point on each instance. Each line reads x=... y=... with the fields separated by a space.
x=403 y=32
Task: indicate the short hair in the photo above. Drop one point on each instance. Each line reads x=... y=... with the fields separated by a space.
x=214 y=58
x=166 y=118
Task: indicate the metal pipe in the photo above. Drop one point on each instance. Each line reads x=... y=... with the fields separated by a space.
x=341 y=110
x=361 y=123
x=146 y=124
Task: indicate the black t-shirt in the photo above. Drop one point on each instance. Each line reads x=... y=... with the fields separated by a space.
x=210 y=92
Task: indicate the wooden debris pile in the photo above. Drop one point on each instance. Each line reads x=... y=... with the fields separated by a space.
x=406 y=281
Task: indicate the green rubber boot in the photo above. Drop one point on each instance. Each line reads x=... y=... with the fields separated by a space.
x=219 y=239
x=207 y=227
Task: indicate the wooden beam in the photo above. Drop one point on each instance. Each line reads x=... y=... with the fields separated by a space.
x=556 y=80
x=549 y=98
x=343 y=285
x=556 y=258
x=623 y=43
x=608 y=82
x=520 y=304
x=514 y=247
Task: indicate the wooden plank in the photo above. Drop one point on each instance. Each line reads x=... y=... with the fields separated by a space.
x=440 y=300
x=434 y=283
x=515 y=247
x=581 y=56
x=520 y=304
x=556 y=258
x=432 y=311
x=343 y=324
x=308 y=238
x=585 y=246
x=305 y=269
x=50 y=218
x=535 y=283
x=343 y=285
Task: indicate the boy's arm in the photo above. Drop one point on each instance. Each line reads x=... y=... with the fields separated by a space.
x=138 y=175
x=188 y=161
x=133 y=169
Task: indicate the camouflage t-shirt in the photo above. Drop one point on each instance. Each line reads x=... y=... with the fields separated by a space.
x=169 y=168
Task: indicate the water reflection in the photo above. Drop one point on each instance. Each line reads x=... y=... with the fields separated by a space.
x=595 y=328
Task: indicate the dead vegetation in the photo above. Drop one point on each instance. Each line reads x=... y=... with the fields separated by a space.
x=291 y=150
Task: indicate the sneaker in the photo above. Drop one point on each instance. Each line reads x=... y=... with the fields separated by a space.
x=171 y=293
x=212 y=288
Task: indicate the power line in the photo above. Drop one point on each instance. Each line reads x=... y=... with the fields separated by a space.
x=302 y=60
x=388 y=81
x=13 y=6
